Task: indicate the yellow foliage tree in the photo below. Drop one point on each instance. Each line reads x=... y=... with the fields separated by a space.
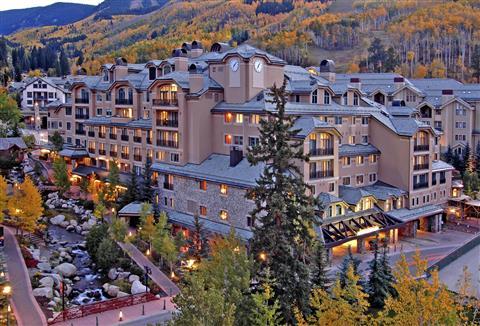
x=3 y=197
x=419 y=302
x=420 y=71
x=437 y=69
x=25 y=205
x=353 y=68
x=147 y=223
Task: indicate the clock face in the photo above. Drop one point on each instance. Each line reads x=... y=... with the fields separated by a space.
x=234 y=65
x=258 y=65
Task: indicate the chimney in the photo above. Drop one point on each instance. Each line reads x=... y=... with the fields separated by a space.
x=399 y=82
x=355 y=82
x=197 y=49
x=180 y=58
x=236 y=156
x=327 y=70
x=121 y=68
x=195 y=80
x=447 y=95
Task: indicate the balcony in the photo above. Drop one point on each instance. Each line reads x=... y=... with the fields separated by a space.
x=149 y=140
x=167 y=143
x=124 y=101
x=81 y=116
x=423 y=166
x=79 y=132
x=167 y=186
x=124 y=137
x=113 y=136
x=91 y=150
x=125 y=156
x=321 y=174
x=321 y=151
x=137 y=158
x=168 y=123
x=102 y=135
x=137 y=139
x=420 y=185
x=102 y=152
x=443 y=180
x=82 y=100
x=165 y=102
x=113 y=154
x=91 y=134
x=421 y=147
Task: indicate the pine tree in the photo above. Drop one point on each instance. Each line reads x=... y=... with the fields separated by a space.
x=118 y=229
x=64 y=64
x=449 y=155
x=57 y=141
x=477 y=158
x=320 y=278
x=467 y=153
x=283 y=239
x=348 y=261
x=61 y=176
x=265 y=310
x=131 y=194
x=380 y=280
x=113 y=179
x=197 y=243
x=147 y=192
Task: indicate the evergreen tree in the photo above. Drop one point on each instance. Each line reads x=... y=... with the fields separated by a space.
x=283 y=239
x=457 y=163
x=113 y=179
x=477 y=158
x=61 y=176
x=349 y=260
x=57 y=141
x=131 y=194
x=147 y=191
x=379 y=284
x=320 y=278
x=64 y=64
x=265 y=310
x=197 y=244
x=467 y=153
x=449 y=155
x=118 y=229
x=377 y=55
x=80 y=59
x=147 y=223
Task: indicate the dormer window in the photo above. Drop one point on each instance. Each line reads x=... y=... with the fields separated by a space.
x=326 y=97
x=152 y=73
x=167 y=70
x=105 y=75
x=356 y=100
x=315 y=96
x=345 y=99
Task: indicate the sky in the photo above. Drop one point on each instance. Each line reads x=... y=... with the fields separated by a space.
x=17 y=4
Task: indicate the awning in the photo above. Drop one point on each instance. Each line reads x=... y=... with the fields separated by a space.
x=102 y=174
x=187 y=220
x=407 y=215
x=73 y=152
x=131 y=210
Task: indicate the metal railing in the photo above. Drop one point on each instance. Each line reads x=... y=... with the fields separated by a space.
x=81 y=116
x=102 y=152
x=113 y=136
x=124 y=137
x=82 y=100
x=137 y=139
x=165 y=102
x=125 y=156
x=91 y=134
x=101 y=135
x=421 y=148
x=167 y=123
x=423 y=166
x=137 y=158
x=321 y=174
x=321 y=151
x=420 y=185
x=80 y=132
x=124 y=101
x=167 y=143
x=113 y=154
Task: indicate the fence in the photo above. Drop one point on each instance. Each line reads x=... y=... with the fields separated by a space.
x=102 y=306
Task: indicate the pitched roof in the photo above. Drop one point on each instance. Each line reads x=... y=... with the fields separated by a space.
x=406 y=215
x=357 y=149
x=352 y=195
x=7 y=143
x=441 y=165
x=306 y=125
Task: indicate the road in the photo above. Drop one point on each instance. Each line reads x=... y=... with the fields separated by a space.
x=26 y=309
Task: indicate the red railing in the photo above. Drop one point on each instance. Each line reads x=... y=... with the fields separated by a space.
x=102 y=306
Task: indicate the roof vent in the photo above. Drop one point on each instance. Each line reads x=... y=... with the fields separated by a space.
x=354 y=80
x=398 y=80
x=120 y=61
x=197 y=45
x=180 y=52
x=236 y=156
x=327 y=66
x=220 y=47
x=447 y=92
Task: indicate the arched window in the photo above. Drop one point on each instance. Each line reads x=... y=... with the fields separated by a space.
x=130 y=93
x=84 y=94
x=356 y=101
x=167 y=70
x=315 y=96
x=345 y=99
x=326 y=97
x=105 y=75
x=152 y=73
x=121 y=94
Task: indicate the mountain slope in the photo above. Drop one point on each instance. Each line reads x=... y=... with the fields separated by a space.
x=56 y=14
x=124 y=7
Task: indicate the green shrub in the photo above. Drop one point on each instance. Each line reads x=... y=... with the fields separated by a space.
x=98 y=233
x=124 y=285
x=107 y=253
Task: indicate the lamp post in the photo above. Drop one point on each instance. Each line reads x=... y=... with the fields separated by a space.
x=6 y=291
x=148 y=271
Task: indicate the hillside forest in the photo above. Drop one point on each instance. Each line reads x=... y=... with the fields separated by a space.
x=418 y=38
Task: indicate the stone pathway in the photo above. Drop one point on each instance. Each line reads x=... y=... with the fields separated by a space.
x=25 y=307
x=157 y=276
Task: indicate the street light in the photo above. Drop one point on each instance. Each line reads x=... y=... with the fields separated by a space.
x=263 y=256
x=7 y=289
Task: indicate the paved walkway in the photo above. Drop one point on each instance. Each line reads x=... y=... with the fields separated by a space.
x=26 y=309
x=157 y=276
x=132 y=315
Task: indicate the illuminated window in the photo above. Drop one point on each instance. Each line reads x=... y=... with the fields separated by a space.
x=223 y=214
x=228 y=117
x=203 y=185
x=373 y=158
x=239 y=118
x=223 y=189
x=228 y=139
x=360 y=160
x=203 y=211
x=255 y=119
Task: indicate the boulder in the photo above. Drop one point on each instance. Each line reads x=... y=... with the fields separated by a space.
x=70 y=228
x=52 y=304
x=92 y=221
x=132 y=278
x=112 y=274
x=121 y=294
x=64 y=224
x=86 y=226
x=113 y=290
x=138 y=287
x=66 y=269
x=78 y=229
x=73 y=222
x=43 y=292
x=57 y=219
x=44 y=267
x=123 y=275
x=46 y=282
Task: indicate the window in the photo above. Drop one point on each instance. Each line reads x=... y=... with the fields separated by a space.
x=253 y=141
x=460 y=111
x=99 y=97
x=339 y=210
x=69 y=126
x=239 y=118
x=338 y=120
x=160 y=156
x=68 y=111
x=238 y=140
x=346 y=161
x=326 y=97
x=223 y=214
x=254 y=119
x=364 y=139
x=364 y=120
x=346 y=181
x=29 y=94
x=249 y=221
x=461 y=125
x=331 y=187
x=223 y=189
x=372 y=177
x=356 y=101
x=345 y=99
x=203 y=211
x=228 y=139
x=108 y=112
x=373 y=158
x=203 y=185
x=228 y=117
x=297 y=98
x=99 y=111
x=174 y=157
x=360 y=160
x=351 y=140
x=50 y=95
x=315 y=96
x=359 y=179
x=105 y=75
x=152 y=73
